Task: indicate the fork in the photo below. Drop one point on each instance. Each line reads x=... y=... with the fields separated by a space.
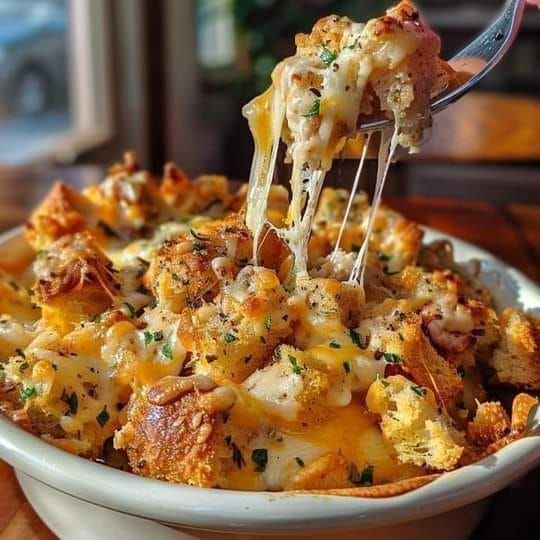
x=478 y=58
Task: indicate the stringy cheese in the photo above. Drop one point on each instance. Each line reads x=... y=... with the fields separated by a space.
x=314 y=105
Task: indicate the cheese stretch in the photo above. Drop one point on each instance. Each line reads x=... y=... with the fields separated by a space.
x=342 y=72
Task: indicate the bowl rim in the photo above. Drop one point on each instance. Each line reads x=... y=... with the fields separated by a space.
x=242 y=511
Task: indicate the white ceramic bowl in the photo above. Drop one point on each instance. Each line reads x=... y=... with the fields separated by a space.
x=279 y=513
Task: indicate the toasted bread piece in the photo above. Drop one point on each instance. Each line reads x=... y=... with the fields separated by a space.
x=233 y=336
x=516 y=361
x=178 y=442
x=489 y=424
x=411 y=421
x=521 y=408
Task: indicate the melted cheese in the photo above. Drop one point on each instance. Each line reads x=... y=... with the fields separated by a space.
x=314 y=105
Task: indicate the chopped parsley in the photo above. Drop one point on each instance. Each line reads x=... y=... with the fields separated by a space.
x=358 y=340
x=166 y=351
x=28 y=392
x=461 y=371
x=103 y=417
x=392 y=358
x=198 y=247
x=97 y=319
x=237 y=457
x=364 y=478
x=19 y=352
x=72 y=401
x=259 y=456
x=131 y=309
x=418 y=390
x=334 y=344
x=148 y=337
x=198 y=236
x=41 y=253
x=296 y=369
x=24 y=366
x=268 y=322
x=383 y=257
x=229 y=338
x=328 y=56
x=347 y=367
x=314 y=109
x=300 y=461
x=158 y=336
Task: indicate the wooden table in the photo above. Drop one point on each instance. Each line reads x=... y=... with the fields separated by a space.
x=512 y=232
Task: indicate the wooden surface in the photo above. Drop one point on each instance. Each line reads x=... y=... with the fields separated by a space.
x=512 y=232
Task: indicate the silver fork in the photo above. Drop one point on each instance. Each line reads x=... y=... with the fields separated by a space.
x=478 y=58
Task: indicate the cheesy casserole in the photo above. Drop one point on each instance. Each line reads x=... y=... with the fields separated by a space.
x=184 y=331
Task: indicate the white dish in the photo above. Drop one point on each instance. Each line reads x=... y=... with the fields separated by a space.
x=280 y=513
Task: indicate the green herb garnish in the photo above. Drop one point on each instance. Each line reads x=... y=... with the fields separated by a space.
x=28 y=392
x=158 y=336
x=131 y=309
x=334 y=344
x=296 y=369
x=383 y=257
x=72 y=401
x=358 y=340
x=198 y=247
x=166 y=351
x=103 y=417
x=347 y=367
x=364 y=478
x=259 y=456
x=328 y=56
x=268 y=322
x=300 y=462
x=19 y=352
x=314 y=109
x=198 y=236
x=392 y=358
x=24 y=366
x=418 y=390
x=148 y=337
x=229 y=338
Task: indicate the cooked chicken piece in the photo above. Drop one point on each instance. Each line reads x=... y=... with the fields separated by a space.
x=75 y=281
x=64 y=211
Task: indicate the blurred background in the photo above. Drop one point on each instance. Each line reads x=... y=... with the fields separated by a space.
x=83 y=80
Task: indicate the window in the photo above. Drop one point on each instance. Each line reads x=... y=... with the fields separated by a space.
x=53 y=78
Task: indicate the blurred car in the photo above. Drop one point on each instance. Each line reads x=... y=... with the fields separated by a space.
x=33 y=60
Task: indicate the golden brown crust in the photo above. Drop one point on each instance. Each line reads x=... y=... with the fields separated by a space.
x=178 y=442
x=377 y=492
x=490 y=424
x=63 y=211
x=516 y=362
